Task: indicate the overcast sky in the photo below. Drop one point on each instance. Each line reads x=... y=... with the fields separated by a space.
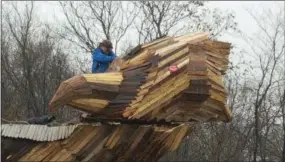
x=49 y=10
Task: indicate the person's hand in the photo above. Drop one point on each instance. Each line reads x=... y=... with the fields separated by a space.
x=115 y=65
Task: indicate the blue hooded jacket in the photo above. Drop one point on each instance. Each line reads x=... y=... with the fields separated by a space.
x=101 y=61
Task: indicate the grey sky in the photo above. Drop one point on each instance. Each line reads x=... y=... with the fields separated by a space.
x=50 y=11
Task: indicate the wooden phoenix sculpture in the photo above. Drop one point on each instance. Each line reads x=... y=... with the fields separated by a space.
x=172 y=79
x=176 y=81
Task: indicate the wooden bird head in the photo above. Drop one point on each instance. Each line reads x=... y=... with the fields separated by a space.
x=144 y=87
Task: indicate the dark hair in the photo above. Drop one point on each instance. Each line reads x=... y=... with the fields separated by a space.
x=106 y=43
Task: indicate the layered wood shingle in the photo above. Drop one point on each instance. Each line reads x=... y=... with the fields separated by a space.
x=145 y=86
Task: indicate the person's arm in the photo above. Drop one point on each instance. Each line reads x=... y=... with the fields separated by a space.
x=100 y=57
x=94 y=66
x=113 y=54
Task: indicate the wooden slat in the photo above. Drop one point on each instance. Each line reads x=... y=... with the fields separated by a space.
x=146 y=71
x=105 y=78
x=155 y=42
x=178 y=38
x=162 y=94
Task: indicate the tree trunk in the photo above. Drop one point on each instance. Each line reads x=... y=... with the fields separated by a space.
x=256 y=134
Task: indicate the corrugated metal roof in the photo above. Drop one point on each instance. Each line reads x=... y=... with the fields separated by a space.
x=37 y=132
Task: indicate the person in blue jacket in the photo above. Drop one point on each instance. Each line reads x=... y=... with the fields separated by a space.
x=103 y=57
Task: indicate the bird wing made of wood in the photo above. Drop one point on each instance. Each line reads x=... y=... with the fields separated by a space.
x=170 y=79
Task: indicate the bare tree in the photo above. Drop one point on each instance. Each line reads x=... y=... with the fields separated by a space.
x=159 y=18
x=256 y=98
x=32 y=61
x=282 y=106
x=269 y=51
x=90 y=22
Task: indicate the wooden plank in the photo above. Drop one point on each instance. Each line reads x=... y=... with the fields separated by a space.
x=154 y=102
x=139 y=59
x=217 y=44
x=163 y=74
x=113 y=138
x=173 y=57
x=84 y=140
x=211 y=103
x=196 y=38
x=101 y=77
x=44 y=152
x=155 y=42
x=132 y=53
x=58 y=155
x=163 y=99
x=53 y=151
x=169 y=49
x=88 y=104
x=183 y=129
x=228 y=113
x=178 y=38
x=162 y=44
x=104 y=87
x=96 y=150
x=99 y=103
x=65 y=155
x=28 y=156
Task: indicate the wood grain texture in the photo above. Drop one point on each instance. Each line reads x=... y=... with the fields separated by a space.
x=144 y=86
x=103 y=143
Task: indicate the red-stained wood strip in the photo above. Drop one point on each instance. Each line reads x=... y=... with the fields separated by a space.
x=173 y=61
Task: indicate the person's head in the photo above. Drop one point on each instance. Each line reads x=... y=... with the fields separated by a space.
x=106 y=46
